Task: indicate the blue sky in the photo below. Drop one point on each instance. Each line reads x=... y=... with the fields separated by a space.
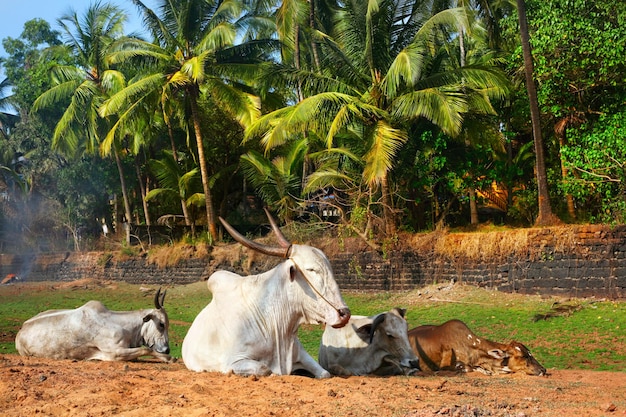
x=14 y=13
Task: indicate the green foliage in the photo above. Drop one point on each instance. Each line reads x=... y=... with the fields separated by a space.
x=380 y=72
x=524 y=208
x=382 y=104
x=277 y=182
x=84 y=188
x=595 y=155
x=176 y=184
x=579 y=47
x=28 y=64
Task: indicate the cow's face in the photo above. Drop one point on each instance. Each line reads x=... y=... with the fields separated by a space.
x=521 y=360
x=388 y=332
x=311 y=270
x=154 y=331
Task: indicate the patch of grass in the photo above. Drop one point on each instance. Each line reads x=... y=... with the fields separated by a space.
x=591 y=337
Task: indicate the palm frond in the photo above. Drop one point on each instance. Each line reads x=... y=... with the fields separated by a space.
x=245 y=107
x=157 y=27
x=275 y=128
x=188 y=178
x=453 y=18
x=326 y=178
x=113 y=81
x=442 y=107
x=139 y=89
x=196 y=199
x=56 y=94
x=178 y=80
x=386 y=141
x=137 y=49
x=155 y=193
x=193 y=68
x=406 y=69
x=335 y=152
x=220 y=36
x=288 y=14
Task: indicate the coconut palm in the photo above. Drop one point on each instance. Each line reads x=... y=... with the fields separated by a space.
x=176 y=182
x=86 y=85
x=277 y=181
x=193 y=53
x=7 y=119
x=545 y=217
x=382 y=69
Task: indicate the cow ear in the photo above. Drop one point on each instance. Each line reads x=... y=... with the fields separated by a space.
x=147 y=318
x=497 y=353
x=292 y=273
x=364 y=332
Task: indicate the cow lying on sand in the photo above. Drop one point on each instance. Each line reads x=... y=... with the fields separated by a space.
x=250 y=327
x=94 y=332
x=453 y=346
x=375 y=345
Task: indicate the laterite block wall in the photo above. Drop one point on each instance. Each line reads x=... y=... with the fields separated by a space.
x=592 y=263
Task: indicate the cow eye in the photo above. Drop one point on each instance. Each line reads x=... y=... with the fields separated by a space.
x=162 y=325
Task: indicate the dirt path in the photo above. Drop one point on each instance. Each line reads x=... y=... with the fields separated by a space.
x=31 y=386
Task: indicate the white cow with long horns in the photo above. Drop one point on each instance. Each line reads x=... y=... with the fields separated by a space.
x=94 y=332
x=250 y=327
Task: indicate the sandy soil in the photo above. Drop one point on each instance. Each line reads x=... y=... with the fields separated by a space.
x=33 y=386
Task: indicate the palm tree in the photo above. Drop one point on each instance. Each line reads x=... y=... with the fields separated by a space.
x=277 y=181
x=175 y=182
x=375 y=80
x=193 y=54
x=86 y=85
x=7 y=119
x=545 y=216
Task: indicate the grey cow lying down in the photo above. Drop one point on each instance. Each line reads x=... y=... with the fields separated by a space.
x=376 y=345
x=94 y=332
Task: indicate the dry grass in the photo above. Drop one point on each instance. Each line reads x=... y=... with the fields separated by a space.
x=491 y=245
x=171 y=255
x=484 y=244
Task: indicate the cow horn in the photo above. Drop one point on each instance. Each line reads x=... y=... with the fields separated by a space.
x=377 y=321
x=159 y=299
x=282 y=252
x=282 y=240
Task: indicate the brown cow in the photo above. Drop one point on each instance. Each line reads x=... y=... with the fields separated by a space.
x=453 y=346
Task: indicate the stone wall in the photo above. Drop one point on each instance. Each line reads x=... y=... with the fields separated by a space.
x=591 y=263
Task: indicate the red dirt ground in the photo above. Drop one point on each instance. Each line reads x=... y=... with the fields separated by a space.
x=33 y=386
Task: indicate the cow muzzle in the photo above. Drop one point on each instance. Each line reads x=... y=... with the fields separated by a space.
x=161 y=349
x=344 y=317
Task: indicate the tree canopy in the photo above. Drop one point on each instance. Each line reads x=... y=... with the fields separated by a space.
x=369 y=118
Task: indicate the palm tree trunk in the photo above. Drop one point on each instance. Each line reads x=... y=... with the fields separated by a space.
x=142 y=189
x=545 y=217
x=296 y=59
x=569 y=198
x=183 y=203
x=195 y=114
x=390 y=220
x=172 y=142
x=509 y=182
x=127 y=212
x=473 y=205
x=316 y=58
